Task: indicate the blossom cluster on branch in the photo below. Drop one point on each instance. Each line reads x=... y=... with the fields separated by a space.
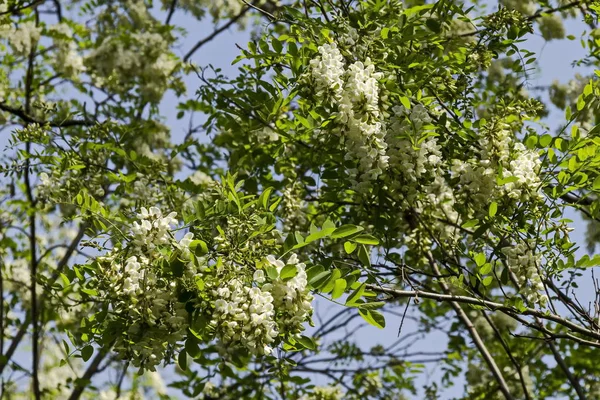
x=157 y=288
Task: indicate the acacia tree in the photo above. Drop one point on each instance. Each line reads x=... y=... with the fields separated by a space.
x=383 y=159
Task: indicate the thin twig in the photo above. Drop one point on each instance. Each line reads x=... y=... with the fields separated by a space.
x=214 y=34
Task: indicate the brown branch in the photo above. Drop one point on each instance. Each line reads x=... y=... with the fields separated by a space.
x=509 y=353
x=491 y=305
x=82 y=383
x=215 y=34
x=35 y=313
x=23 y=115
x=474 y=334
x=171 y=12
x=572 y=379
x=23 y=329
x=16 y=10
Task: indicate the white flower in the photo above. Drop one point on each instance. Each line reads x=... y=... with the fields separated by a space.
x=185 y=242
x=259 y=276
x=328 y=69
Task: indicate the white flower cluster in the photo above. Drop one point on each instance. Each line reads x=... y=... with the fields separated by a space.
x=328 y=70
x=140 y=59
x=525 y=167
x=440 y=202
x=145 y=298
x=201 y=179
x=355 y=93
x=58 y=185
x=266 y=135
x=416 y=163
x=478 y=182
x=324 y=393
x=148 y=386
x=371 y=383
x=294 y=208
x=244 y=317
x=252 y=317
x=22 y=38
x=525 y=7
x=291 y=297
x=524 y=263
x=54 y=377
x=496 y=144
x=410 y=161
x=246 y=308
x=478 y=177
x=68 y=61
x=142 y=188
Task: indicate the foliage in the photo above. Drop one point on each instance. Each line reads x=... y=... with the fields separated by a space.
x=380 y=158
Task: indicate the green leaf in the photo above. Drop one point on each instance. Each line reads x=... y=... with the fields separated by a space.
x=345 y=230
x=545 y=140
x=272 y=272
x=385 y=32
x=350 y=247
x=318 y=235
x=596 y=184
x=373 y=317
x=307 y=342
x=264 y=198
x=199 y=247
x=485 y=269
x=328 y=287
x=338 y=288
x=470 y=223
x=86 y=352
x=289 y=271
x=493 y=209
x=314 y=271
x=371 y=305
x=356 y=295
x=90 y=292
x=199 y=283
x=363 y=256
x=65 y=280
x=405 y=102
x=318 y=280
x=182 y=360
x=366 y=239
x=433 y=24
x=177 y=267
x=191 y=347
x=480 y=259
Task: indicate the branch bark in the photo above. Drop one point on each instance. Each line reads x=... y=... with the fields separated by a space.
x=474 y=334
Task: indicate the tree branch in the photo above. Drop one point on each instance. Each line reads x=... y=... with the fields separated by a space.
x=474 y=334
x=493 y=306
x=82 y=383
x=214 y=34
x=24 y=115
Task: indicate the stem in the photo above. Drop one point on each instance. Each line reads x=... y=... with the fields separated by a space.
x=35 y=353
x=474 y=335
x=572 y=379
x=81 y=383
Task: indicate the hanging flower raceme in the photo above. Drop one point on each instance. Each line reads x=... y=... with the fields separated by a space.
x=524 y=263
x=157 y=290
x=142 y=296
x=354 y=94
